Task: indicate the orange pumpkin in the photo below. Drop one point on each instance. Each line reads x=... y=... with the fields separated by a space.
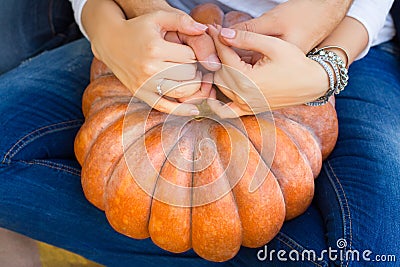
x=207 y=184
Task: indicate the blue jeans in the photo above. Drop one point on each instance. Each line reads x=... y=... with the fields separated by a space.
x=357 y=193
x=29 y=27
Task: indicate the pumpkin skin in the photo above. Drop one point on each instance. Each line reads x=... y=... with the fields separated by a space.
x=128 y=163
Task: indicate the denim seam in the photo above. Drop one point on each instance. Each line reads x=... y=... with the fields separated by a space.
x=50 y=17
x=30 y=137
x=296 y=246
x=341 y=196
x=57 y=166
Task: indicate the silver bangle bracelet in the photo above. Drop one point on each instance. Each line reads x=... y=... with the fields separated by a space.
x=340 y=72
x=324 y=99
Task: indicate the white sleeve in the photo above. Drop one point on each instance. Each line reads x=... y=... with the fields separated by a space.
x=77 y=6
x=372 y=14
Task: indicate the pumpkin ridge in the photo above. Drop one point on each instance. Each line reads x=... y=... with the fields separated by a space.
x=83 y=132
x=95 y=91
x=283 y=176
x=251 y=142
x=162 y=165
x=326 y=133
x=94 y=108
x=178 y=225
x=284 y=128
x=133 y=142
x=307 y=127
x=153 y=129
x=257 y=150
x=211 y=233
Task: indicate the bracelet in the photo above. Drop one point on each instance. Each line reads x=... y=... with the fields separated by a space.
x=339 y=71
x=334 y=59
x=325 y=98
x=316 y=50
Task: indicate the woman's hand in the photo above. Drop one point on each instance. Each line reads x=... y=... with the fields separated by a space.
x=136 y=50
x=283 y=76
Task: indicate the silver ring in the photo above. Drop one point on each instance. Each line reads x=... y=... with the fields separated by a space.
x=159 y=91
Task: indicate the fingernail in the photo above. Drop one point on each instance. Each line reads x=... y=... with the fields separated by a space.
x=213 y=59
x=213 y=62
x=194 y=112
x=200 y=26
x=228 y=33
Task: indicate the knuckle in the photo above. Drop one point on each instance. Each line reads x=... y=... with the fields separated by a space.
x=149 y=69
x=159 y=13
x=249 y=26
x=180 y=92
x=183 y=19
x=245 y=35
x=153 y=49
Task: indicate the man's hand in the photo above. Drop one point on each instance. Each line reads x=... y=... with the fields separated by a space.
x=304 y=23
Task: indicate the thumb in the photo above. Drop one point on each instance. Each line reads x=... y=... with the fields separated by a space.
x=266 y=45
x=265 y=25
x=204 y=49
x=179 y=22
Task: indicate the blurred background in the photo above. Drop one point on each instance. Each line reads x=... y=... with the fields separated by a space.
x=20 y=251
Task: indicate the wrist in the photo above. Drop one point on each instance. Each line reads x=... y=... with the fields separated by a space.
x=320 y=79
x=335 y=68
x=100 y=19
x=135 y=8
x=97 y=14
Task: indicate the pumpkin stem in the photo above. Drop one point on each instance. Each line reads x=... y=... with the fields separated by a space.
x=205 y=111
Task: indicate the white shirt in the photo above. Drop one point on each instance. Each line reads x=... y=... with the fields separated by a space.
x=373 y=14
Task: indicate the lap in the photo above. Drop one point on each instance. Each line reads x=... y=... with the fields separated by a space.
x=359 y=187
x=31 y=27
x=356 y=193
x=41 y=104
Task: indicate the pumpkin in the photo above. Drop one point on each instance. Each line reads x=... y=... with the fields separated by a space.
x=203 y=183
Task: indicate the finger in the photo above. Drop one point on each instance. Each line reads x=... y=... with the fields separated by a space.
x=226 y=54
x=207 y=83
x=172 y=37
x=266 y=45
x=238 y=18
x=204 y=49
x=245 y=55
x=173 y=52
x=177 y=72
x=180 y=89
x=168 y=106
x=266 y=25
x=180 y=22
x=223 y=86
x=251 y=25
x=203 y=93
x=224 y=111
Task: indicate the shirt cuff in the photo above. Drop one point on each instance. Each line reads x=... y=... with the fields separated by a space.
x=77 y=6
x=372 y=16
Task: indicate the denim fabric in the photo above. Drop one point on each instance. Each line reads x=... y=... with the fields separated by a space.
x=27 y=28
x=357 y=192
